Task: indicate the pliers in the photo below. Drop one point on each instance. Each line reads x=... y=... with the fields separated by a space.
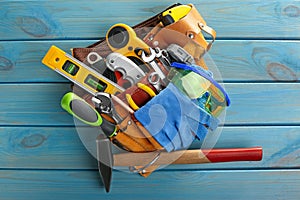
x=143 y=87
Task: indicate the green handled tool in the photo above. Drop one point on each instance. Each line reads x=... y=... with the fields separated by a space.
x=83 y=111
x=77 y=107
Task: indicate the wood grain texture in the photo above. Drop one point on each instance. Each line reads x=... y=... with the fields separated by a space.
x=242 y=184
x=257 y=52
x=21 y=61
x=33 y=104
x=64 y=148
x=255 y=61
x=68 y=19
x=252 y=19
x=252 y=104
x=236 y=60
x=263 y=103
x=43 y=147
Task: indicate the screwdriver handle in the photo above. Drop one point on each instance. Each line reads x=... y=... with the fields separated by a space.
x=108 y=128
x=83 y=111
x=234 y=154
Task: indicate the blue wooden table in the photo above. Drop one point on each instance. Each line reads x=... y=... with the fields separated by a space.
x=257 y=52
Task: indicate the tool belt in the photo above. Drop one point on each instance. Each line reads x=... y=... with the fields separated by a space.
x=178 y=38
x=154 y=33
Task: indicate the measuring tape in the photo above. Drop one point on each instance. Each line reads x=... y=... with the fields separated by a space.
x=77 y=72
x=122 y=39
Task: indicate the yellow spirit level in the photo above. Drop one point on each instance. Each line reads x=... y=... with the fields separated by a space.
x=77 y=72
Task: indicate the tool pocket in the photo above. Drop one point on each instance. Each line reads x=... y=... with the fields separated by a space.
x=183 y=25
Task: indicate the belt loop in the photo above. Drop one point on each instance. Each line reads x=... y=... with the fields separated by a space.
x=210 y=32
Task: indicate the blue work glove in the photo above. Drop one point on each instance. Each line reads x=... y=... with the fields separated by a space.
x=174 y=120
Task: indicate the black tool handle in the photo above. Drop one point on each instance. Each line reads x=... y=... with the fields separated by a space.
x=108 y=128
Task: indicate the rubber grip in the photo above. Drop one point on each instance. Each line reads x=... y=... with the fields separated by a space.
x=230 y=155
x=108 y=128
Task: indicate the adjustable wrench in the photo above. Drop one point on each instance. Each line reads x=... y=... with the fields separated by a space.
x=130 y=71
x=103 y=102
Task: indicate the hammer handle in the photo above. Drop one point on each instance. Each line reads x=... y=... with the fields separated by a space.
x=196 y=156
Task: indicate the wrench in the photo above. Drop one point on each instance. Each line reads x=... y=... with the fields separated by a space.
x=96 y=62
x=154 y=80
x=163 y=57
x=151 y=61
x=103 y=102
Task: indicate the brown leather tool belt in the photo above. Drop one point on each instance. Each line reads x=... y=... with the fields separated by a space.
x=153 y=32
x=186 y=32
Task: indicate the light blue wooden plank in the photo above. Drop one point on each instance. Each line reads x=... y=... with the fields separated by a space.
x=254 y=60
x=252 y=19
x=231 y=185
x=21 y=61
x=263 y=103
x=254 y=104
x=33 y=104
x=62 y=148
x=43 y=147
x=72 y=19
x=236 y=60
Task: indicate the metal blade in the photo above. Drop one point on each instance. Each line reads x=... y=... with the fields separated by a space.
x=105 y=160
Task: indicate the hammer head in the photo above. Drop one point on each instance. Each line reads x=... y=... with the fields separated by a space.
x=105 y=160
